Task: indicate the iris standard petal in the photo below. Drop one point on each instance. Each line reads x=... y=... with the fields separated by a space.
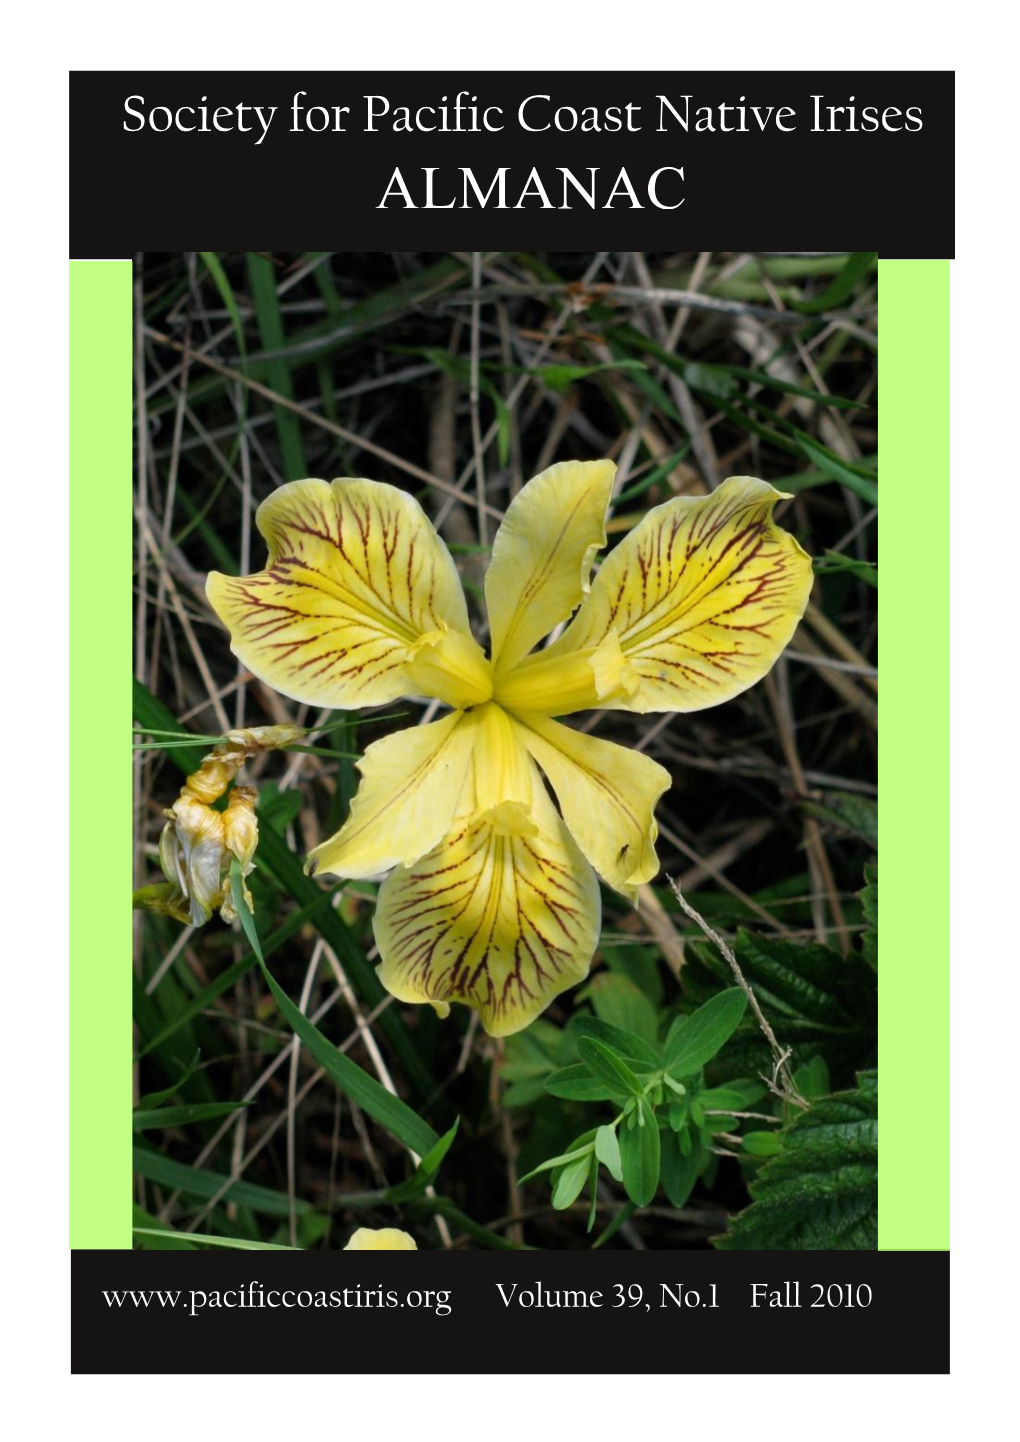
x=607 y=794
x=501 y=923
x=542 y=555
x=411 y=782
x=703 y=595
x=358 y=586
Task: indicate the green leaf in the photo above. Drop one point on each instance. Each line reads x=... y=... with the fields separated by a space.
x=640 y=1155
x=152 y=1118
x=761 y=1144
x=621 y=1004
x=678 y=1114
x=821 y=1191
x=607 y=1149
x=722 y=1099
x=625 y=1043
x=693 y=1040
x=562 y=377
x=569 y=1182
x=426 y=1171
x=582 y=1148
x=530 y=1057
x=679 y=1171
x=576 y=1084
x=812 y=1079
x=593 y=1182
x=612 y=1069
x=641 y=964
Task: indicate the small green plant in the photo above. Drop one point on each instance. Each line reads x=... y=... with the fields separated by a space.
x=666 y=1117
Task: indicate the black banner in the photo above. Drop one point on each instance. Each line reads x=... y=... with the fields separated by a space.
x=670 y=160
x=492 y=1312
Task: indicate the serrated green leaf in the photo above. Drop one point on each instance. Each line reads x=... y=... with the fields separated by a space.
x=693 y=1040
x=821 y=1191
x=815 y=999
x=640 y=1156
x=607 y=1065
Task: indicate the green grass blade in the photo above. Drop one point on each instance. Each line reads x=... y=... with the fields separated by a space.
x=152 y=1118
x=197 y=1182
x=237 y=1243
x=270 y=322
x=389 y=1111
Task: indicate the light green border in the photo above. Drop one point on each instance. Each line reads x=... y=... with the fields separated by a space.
x=913 y=753
x=100 y=782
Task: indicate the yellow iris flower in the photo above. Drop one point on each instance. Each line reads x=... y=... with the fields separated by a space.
x=492 y=898
x=381 y=1239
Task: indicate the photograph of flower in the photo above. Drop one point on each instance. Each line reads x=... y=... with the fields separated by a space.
x=505 y=738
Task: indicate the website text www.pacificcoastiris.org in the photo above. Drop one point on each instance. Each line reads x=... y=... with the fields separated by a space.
x=255 y=1296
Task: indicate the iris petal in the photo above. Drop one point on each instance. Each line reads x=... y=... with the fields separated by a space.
x=542 y=555
x=500 y=923
x=607 y=794
x=357 y=585
x=411 y=782
x=703 y=594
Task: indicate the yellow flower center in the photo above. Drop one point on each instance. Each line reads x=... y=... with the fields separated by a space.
x=503 y=774
x=559 y=685
x=452 y=667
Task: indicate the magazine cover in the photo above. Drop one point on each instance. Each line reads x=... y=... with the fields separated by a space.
x=501 y=811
